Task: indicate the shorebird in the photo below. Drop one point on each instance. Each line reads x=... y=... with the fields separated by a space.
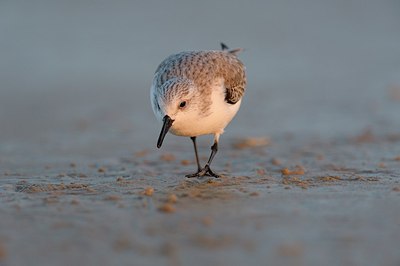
x=198 y=93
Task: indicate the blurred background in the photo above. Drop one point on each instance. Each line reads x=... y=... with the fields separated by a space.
x=78 y=136
x=75 y=75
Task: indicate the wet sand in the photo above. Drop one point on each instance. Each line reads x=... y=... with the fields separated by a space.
x=311 y=163
x=292 y=201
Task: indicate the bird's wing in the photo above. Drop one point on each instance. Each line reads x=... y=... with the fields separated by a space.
x=235 y=81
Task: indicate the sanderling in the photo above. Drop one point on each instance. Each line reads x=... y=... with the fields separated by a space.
x=197 y=93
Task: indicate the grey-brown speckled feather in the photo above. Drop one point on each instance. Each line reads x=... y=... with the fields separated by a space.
x=202 y=67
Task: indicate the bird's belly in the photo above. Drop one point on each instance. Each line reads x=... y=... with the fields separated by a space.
x=197 y=128
x=214 y=123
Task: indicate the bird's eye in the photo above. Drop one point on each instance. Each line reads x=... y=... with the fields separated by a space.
x=182 y=104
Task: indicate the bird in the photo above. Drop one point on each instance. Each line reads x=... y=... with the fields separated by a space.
x=196 y=93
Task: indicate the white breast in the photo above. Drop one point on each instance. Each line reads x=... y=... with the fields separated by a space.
x=221 y=113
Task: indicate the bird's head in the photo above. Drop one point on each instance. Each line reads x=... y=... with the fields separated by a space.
x=178 y=106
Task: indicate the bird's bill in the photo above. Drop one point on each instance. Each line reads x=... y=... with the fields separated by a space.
x=167 y=123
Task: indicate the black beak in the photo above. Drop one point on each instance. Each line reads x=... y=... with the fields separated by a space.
x=167 y=123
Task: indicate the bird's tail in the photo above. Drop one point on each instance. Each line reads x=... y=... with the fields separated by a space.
x=235 y=51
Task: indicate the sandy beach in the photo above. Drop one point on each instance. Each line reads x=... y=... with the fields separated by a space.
x=310 y=165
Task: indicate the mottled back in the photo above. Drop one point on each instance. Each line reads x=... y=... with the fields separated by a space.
x=202 y=67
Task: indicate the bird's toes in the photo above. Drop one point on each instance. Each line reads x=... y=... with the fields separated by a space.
x=192 y=175
x=206 y=171
x=213 y=174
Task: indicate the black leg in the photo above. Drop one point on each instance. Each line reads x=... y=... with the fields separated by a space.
x=195 y=152
x=214 y=149
x=206 y=170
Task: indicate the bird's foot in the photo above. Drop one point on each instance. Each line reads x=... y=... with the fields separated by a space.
x=206 y=171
